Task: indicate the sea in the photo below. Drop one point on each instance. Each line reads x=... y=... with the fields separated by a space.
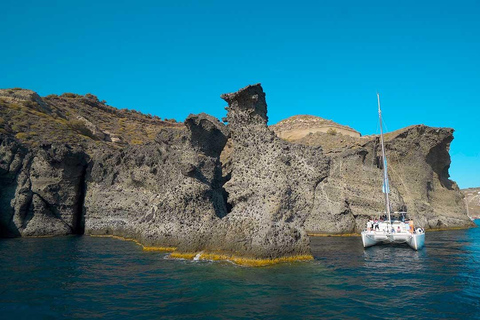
x=82 y=277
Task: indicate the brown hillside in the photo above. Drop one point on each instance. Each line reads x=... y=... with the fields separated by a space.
x=297 y=127
x=74 y=119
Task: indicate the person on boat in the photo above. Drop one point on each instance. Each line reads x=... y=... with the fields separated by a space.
x=376 y=225
x=398 y=229
x=369 y=225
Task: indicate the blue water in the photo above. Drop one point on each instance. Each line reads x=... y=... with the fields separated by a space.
x=85 y=277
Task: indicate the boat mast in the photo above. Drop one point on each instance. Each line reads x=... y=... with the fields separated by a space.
x=386 y=187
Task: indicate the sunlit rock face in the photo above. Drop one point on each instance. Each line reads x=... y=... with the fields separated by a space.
x=418 y=162
x=230 y=187
x=176 y=191
x=472 y=200
x=271 y=182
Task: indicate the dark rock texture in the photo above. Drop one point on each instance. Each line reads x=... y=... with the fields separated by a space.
x=166 y=193
x=271 y=185
x=204 y=185
x=41 y=189
x=176 y=192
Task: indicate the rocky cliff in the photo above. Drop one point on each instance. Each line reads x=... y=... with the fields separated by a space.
x=42 y=189
x=472 y=200
x=271 y=182
x=165 y=193
x=297 y=127
x=418 y=162
x=72 y=164
x=176 y=192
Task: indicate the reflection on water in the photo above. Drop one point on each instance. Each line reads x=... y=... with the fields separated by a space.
x=84 y=277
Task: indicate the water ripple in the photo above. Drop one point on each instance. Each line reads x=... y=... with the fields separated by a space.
x=83 y=277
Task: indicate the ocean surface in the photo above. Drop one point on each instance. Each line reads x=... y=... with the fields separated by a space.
x=86 y=278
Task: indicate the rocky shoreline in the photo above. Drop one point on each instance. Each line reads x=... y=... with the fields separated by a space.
x=232 y=190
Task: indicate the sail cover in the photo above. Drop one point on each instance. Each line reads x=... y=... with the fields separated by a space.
x=386 y=187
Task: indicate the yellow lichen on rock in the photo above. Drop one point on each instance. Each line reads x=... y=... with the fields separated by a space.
x=266 y=262
x=250 y=262
x=183 y=255
x=159 y=249
x=243 y=261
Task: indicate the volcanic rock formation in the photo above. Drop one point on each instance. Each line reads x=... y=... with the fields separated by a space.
x=175 y=192
x=272 y=182
x=419 y=181
x=41 y=190
x=72 y=164
x=164 y=193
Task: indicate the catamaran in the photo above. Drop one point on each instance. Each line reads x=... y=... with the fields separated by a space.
x=398 y=230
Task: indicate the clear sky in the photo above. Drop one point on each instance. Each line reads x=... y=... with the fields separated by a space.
x=326 y=58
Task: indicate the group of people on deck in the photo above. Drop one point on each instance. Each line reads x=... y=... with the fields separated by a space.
x=374 y=225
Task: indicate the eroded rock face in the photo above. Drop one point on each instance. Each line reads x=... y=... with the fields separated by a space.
x=12 y=156
x=418 y=162
x=472 y=200
x=176 y=192
x=272 y=183
x=166 y=193
x=41 y=189
x=235 y=189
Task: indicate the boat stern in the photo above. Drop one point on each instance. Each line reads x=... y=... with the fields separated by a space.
x=367 y=241
x=417 y=241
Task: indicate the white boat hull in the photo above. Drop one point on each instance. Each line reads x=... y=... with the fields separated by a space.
x=415 y=240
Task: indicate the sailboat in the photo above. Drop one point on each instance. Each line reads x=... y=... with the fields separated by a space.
x=398 y=229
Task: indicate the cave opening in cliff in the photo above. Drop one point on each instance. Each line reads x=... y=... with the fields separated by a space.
x=79 y=223
x=228 y=205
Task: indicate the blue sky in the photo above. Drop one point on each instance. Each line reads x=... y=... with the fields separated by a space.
x=326 y=58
